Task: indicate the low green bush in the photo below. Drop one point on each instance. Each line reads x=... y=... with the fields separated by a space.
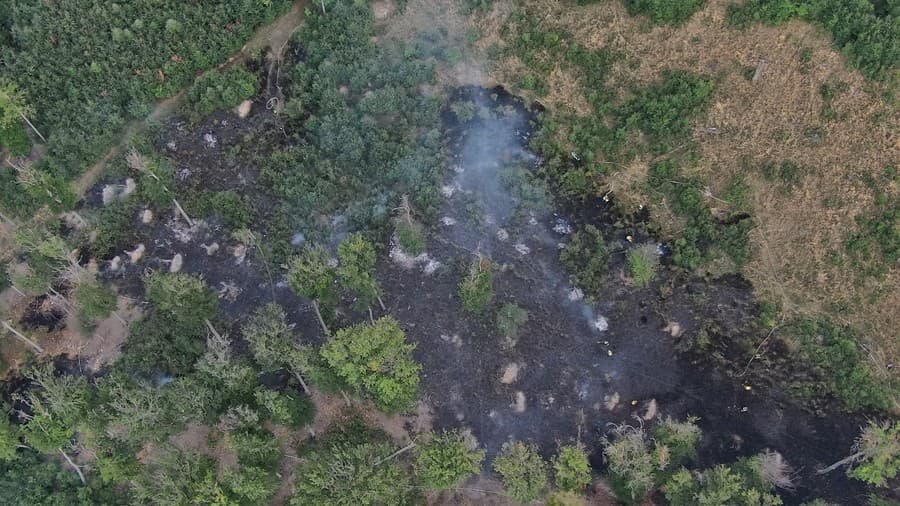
x=15 y=139
x=664 y=111
x=446 y=460
x=286 y=408
x=643 y=262
x=510 y=319
x=223 y=89
x=842 y=365
x=523 y=471
x=572 y=471
x=586 y=258
x=665 y=11
x=94 y=301
x=476 y=290
x=235 y=211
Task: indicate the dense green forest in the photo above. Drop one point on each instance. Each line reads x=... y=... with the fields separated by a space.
x=248 y=245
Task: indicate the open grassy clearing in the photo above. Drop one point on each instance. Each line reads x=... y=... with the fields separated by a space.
x=782 y=95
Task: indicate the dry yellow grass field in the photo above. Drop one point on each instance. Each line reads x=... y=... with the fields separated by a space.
x=756 y=120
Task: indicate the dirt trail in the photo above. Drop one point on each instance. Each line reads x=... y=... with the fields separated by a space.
x=274 y=35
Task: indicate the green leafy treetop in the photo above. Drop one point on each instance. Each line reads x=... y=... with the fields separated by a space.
x=352 y=475
x=717 y=486
x=356 y=270
x=272 y=342
x=376 y=360
x=182 y=298
x=523 y=470
x=312 y=275
x=880 y=448
x=572 y=469
x=446 y=460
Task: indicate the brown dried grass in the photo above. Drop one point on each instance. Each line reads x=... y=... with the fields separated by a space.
x=760 y=121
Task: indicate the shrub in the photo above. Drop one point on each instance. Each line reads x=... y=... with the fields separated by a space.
x=94 y=300
x=376 y=360
x=586 y=258
x=410 y=237
x=679 y=440
x=286 y=408
x=311 y=274
x=719 y=485
x=879 y=446
x=477 y=289
x=664 y=111
x=356 y=269
x=252 y=485
x=523 y=471
x=572 y=470
x=643 y=263
x=446 y=460
x=183 y=299
x=631 y=464
x=255 y=447
x=841 y=364
x=665 y=11
x=351 y=474
x=235 y=211
x=222 y=89
x=15 y=139
x=9 y=438
x=510 y=319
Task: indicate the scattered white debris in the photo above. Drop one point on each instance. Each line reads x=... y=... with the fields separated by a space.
x=298 y=239
x=519 y=406
x=431 y=266
x=502 y=235
x=243 y=110
x=110 y=192
x=673 y=328
x=532 y=221
x=660 y=249
x=629 y=238
x=562 y=227
x=650 y=413
x=489 y=219
x=332 y=262
x=129 y=188
x=448 y=221
x=170 y=145
x=146 y=216
x=115 y=264
x=448 y=190
x=183 y=232
x=210 y=140
x=510 y=374
x=240 y=253
x=455 y=340
x=560 y=245
x=522 y=249
x=229 y=291
x=575 y=294
x=611 y=401
x=176 y=263
x=137 y=253
x=458 y=169
x=601 y=324
x=212 y=249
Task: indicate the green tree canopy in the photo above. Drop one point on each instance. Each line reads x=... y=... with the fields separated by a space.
x=376 y=360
